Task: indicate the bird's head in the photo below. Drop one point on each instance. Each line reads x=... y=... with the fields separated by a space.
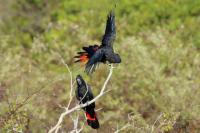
x=79 y=80
x=117 y=58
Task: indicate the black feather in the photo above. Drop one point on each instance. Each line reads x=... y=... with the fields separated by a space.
x=110 y=31
x=94 y=60
x=84 y=94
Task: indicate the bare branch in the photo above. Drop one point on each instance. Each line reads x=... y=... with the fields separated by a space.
x=77 y=107
x=71 y=81
x=57 y=129
x=75 y=121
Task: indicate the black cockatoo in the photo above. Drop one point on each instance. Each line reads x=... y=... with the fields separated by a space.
x=95 y=54
x=84 y=94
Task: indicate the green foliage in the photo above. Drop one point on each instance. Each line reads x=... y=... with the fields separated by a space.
x=158 y=41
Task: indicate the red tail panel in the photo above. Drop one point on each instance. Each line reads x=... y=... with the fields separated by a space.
x=87 y=53
x=89 y=117
x=84 y=58
x=92 y=120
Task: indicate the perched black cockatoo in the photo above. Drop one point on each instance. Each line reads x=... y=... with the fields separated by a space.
x=95 y=54
x=84 y=94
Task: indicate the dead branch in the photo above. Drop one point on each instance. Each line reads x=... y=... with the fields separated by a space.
x=77 y=107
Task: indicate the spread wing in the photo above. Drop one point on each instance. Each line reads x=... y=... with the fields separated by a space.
x=93 y=61
x=110 y=32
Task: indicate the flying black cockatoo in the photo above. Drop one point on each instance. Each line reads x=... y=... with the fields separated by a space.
x=84 y=94
x=95 y=54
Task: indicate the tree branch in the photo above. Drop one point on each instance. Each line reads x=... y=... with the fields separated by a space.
x=68 y=111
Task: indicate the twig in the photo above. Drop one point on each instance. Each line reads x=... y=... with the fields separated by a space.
x=122 y=128
x=71 y=81
x=152 y=128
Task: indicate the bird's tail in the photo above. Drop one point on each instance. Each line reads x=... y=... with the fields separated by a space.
x=85 y=55
x=82 y=57
x=92 y=119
